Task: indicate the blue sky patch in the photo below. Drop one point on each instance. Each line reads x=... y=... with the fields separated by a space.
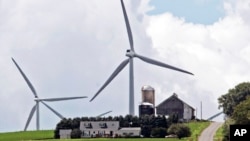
x=195 y=11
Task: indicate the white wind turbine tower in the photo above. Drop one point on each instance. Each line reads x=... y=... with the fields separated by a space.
x=42 y=100
x=131 y=54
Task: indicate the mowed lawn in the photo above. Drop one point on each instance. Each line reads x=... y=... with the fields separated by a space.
x=219 y=134
x=196 y=128
x=120 y=139
x=28 y=135
x=47 y=135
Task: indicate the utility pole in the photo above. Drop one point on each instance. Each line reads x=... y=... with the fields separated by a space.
x=201 y=110
x=196 y=113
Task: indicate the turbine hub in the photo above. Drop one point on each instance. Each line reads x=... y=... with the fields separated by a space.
x=37 y=99
x=130 y=53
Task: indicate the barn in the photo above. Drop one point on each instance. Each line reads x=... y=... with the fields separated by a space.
x=174 y=105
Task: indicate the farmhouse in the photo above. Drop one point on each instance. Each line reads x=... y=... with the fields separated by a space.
x=107 y=129
x=174 y=105
x=98 y=128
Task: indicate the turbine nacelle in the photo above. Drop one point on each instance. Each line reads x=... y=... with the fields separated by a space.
x=130 y=53
x=35 y=108
x=37 y=99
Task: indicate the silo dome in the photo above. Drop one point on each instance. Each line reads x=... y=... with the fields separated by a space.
x=147 y=88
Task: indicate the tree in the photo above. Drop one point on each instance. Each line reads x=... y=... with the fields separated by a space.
x=76 y=133
x=234 y=96
x=63 y=124
x=75 y=123
x=241 y=113
x=145 y=124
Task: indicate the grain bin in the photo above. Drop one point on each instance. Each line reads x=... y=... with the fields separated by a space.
x=148 y=94
x=146 y=108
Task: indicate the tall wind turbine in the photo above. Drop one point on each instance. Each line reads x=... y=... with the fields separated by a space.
x=42 y=100
x=131 y=54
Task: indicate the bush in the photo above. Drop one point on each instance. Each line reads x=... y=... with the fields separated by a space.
x=180 y=130
x=76 y=133
x=146 y=130
x=159 y=132
x=173 y=118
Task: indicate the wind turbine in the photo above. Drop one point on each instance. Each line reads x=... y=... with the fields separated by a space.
x=42 y=100
x=131 y=54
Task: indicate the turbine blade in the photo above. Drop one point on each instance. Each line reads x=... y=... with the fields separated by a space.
x=104 y=114
x=154 y=62
x=113 y=75
x=130 y=36
x=25 y=78
x=62 y=98
x=54 y=111
x=30 y=117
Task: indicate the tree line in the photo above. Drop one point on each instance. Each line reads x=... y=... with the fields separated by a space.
x=150 y=125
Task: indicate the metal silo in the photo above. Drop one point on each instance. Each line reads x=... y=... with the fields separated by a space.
x=148 y=94
x=146 y=108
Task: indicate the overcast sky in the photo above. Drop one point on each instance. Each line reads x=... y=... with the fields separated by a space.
x=69 y=48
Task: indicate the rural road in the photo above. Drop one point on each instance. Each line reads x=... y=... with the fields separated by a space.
x=209 y=132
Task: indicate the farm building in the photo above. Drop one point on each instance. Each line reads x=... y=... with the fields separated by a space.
x=65 y=133
x=106 y=129
x=146 y=109
x=174 y=105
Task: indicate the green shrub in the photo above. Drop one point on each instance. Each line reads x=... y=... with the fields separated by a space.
x=76 y=133
x=146 y=130
x=180 y=130
x=159 y=132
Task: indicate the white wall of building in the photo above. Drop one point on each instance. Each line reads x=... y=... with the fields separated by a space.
x=107 y=128
x=187 y=115
x=65 y=133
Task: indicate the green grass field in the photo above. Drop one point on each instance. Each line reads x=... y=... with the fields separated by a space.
x=219 y=134
x=123 y=139
x=47 y=135
x=118 y=139
x=29 y=135
x=196 y=129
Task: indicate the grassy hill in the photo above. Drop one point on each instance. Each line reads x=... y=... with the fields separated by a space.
x=196 y=129
x=47 y=135
x=28 y=135
x=219 y=134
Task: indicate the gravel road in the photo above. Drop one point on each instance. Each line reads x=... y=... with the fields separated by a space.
x=209 y=132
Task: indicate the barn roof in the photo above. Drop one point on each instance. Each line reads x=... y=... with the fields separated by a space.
x=176 y=96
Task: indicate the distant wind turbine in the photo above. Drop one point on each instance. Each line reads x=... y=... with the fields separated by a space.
x=42 y=100
x=131 y=54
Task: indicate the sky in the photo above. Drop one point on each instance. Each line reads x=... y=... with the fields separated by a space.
x=195 y=11
x=70 y=47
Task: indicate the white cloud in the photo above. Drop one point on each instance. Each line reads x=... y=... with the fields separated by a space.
x=216 y=54
x=69 y=48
